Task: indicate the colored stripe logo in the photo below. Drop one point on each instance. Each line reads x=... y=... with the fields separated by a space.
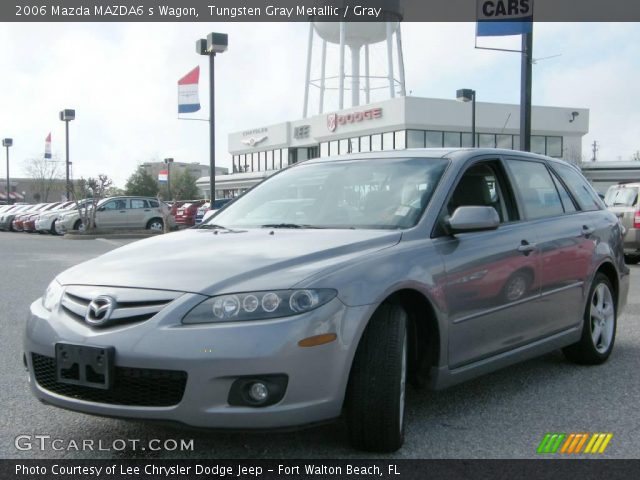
x=574 y=443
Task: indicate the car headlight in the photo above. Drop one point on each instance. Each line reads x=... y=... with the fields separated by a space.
x=258 y=305
x=52 y=295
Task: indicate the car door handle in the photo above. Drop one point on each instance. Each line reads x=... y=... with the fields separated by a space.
x=123 y=211
x=147 y=210
x=526 y=248
x=587 y=230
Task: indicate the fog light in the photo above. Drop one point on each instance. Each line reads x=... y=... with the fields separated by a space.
x=258 y=392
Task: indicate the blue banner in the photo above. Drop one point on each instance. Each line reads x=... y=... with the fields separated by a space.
x=497 y=28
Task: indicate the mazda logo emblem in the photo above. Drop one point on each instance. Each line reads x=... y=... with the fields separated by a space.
x=100 y=310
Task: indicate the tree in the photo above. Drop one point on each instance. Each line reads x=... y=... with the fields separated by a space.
x=95 y=189
x=141 y=183
x=114 y=192
x=44 y=173
x=183 y=186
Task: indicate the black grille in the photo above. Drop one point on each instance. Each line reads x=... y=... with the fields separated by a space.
x=131 y=386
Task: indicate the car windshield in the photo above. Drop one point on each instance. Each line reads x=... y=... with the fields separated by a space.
x=368 y=193
x=621 y=197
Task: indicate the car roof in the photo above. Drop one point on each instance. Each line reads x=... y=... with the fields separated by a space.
x=454 y=154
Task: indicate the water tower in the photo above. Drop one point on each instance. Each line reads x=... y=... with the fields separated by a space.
x=359 y=37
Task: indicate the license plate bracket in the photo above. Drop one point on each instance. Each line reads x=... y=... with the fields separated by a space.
x=85 y=365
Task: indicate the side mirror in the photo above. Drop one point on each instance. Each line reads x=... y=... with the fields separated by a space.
x=472 y=219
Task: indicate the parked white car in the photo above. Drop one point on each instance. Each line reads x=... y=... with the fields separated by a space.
x=46 y=222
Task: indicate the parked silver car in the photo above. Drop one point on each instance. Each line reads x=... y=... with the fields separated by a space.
x=121 y=212
x=623 y=201
x=329 y=286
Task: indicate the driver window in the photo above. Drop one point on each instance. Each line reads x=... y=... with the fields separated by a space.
x=479 y=186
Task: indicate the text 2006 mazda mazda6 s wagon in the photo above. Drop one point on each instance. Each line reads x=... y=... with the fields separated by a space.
x=330 y=285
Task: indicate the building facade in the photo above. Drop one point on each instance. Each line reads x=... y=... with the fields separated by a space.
x=396 y=124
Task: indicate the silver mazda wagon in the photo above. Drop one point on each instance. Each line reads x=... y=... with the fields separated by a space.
x=331 y=285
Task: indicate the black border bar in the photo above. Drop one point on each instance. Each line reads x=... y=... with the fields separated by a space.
x=268 y=469
x=199 y=11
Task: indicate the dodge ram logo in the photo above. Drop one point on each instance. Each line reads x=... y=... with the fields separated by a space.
x=100 y=310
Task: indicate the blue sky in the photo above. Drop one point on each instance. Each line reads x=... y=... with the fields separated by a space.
x=121 y=79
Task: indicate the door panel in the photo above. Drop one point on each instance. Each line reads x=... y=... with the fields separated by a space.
x=491 y=287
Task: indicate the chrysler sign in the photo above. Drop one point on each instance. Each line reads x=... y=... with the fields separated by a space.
x=334 y=119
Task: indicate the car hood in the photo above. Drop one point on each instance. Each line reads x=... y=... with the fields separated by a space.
x=219 y=261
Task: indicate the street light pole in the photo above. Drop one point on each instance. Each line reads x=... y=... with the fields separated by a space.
x=66 y=116
x=212 y=128
x=8 y=142
x=214 y=43
x=468 y=95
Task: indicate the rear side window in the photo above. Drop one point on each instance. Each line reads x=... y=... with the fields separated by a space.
x=154 y=203
x=586 y=197
x=567 y=202
x=536 y=189
x=138 y=203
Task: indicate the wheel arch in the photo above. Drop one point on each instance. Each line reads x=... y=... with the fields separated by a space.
x=609 y=270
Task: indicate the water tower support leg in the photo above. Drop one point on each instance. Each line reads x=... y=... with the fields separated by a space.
x=392 y=90
x=308 y=73
x=367 y=80
x=355 y=75
x=343 y=32
x=403 y=87
x=323 y=65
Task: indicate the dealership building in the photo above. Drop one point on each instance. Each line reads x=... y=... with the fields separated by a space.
x=395 y=124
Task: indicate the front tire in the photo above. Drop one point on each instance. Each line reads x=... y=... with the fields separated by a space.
x=375 y=400
x=599 y=328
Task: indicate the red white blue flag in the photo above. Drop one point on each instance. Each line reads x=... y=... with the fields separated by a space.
x=188 y=101
x=163 y=176
x=47 y=146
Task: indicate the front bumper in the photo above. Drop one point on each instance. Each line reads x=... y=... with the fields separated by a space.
x=214 y=356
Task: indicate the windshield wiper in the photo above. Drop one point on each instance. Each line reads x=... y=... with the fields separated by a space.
x=287 y=225
x=212 y=226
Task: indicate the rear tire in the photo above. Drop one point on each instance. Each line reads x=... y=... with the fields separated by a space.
x=375 y=398
x=52 y=230
x=77 y=225
x=599 y=327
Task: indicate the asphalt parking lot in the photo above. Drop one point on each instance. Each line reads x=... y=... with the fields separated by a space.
x=501 y=415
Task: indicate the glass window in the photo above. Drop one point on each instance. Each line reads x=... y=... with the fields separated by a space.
x=284 y=154
x=387 y=141
x=270 y=165
x=376 y=142
x=621 y=196
x=365 y=144
x=567 y=203
x=516 y=142
x=139 y=203
x=487 y=140
x=302 y=154
x=400 y=140
x=382 y=194
x=452 y=139
x=433 y=139
x=536 y=190
x=583 y=192
x=478 y=187
x=538 y=144
x=263 y=160
x=344 y=146
x=119 y=204
x=354 y=144
x=333 y=148
x=554 y=146
x=415 y=138
x=154 y=203
x=504 y=141
x=324 y=149
x=467 y=140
